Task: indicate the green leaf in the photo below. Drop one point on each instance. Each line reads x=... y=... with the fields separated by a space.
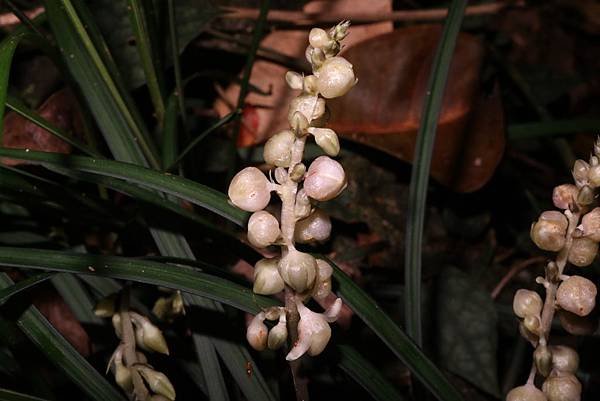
x=400 y=344
x=367 y=375
x=467 y=327
x=174 y=185
x=22 y=285
x=8 y=395
x=419 y=179
x=545 y=129
x=61 y=353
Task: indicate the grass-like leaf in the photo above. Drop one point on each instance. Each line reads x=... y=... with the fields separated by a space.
x=22 y=285
x=419 y=179
x=8 y=395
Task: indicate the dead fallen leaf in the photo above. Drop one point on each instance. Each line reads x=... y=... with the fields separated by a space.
x=60 y=109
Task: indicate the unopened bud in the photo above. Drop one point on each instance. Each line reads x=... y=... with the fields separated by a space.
x=298 y=270
x=340 y=31
x=564 y=359
x=299 y=123
x=594 y=176
x=278 y=149
x=562 y=388
x=528 y=392
x=278 y=334
x=148 y=336
x=583 y=251
x=267 y=280
x=527 y=334
x=325 y=179
x=527 y=303
x=263 y=229
x=532 y=324
x=303 y=207
x=580 y=172
x=564 y=195
x=298 y=172
x=294 y=80
x=335 y=77
x=318 y=38
x=310 y=85
x=257 y=332
x=543 y=360
x=310 y=106
x=323 y=285
x=250 y=190
x=577 y=295
x=317 y=58
x=314 y=228
x=327 y=140
x=116 y=322
x=106 y=306
x=585 y=196
x=158 y=382
x=590 y=224
x=550 y=230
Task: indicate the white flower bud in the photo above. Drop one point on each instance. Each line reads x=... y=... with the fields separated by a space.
x=158 y=382
x=564 y=359
x=299 y=123
x=550 y=230
x=583 y=251
x=263 y=229
x=335 y=77
x=308 y=53
x=278 y=334
x=278 y=149
x=590 y=224
x=318 y=38
x=294 y=80
x=340 y=31
x=298 y=172
x=577 y=295
x=325 y=179
x=580 y=172
x=147 y=336
x=528 y=392
x=594 y=176
x=326 y=139
x=318 y=56
x=257 y=332
x=562 y=388
x=311 y=106
x=303 y=207
x=527 y=303
x=323 y=286
x=543 y=359
x=281 y=175
x=314 y=228
x=310 y=85
x=122 y=372
x=586 y=195
x=267 y=280
x=564 y=195
x=298 y=270
x=250 y=190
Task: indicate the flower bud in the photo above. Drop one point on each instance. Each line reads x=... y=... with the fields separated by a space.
x=527 y=303
x=303 y=207
x=263 y=229
x=543 y=360
x=317 y=57
x=528 y=392
x=550 y=230
x=299 y=123
x=278 y=149
x=314 y=228
x=308 y=53
x=158 y=382
x=298 y=270
x=250 y=190
x=294 y=80
x=564 y=195
x=586 y=195
x=298 y=172
x=280 y=175
x=340 y=31
x=564 y=359
x=335 y=77
x=583 y=251
x=257 y=331
x=577 y=325
x=122 y=372
x=318 y=38
x=580 y=172
x=326 y=139
x=148 y=336
x=310 y=85
x=527 y=334
x=311 y=107
x=323 y=285
x=106 y=306
x=562 y=388
x=278 y=334
x=167 y=308
x=267 y=280
x=313 y=334
x=590 y=224
x=594 y=176
x=532 y=324
x=577 y=295
x=325 y=179
x=116 y=322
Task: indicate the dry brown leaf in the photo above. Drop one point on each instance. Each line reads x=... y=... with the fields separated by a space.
x=60 y=109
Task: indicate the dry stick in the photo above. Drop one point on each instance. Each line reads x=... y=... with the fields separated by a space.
x=513 y=271
x=302 y=18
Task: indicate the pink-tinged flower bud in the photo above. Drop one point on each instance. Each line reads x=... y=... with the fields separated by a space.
x=590 y=224
x=312 y=107
x=278 y=149
x=267 y=280
x=250 y=190
x=550 y=230
x=577 y=295
x=257 y=332
x=527 y=303
x=335 y=77
x=263 y=229
x=583 y=251
x=303 y=207
x=528 y=392
x=158 y=382
x=577 y=325
x=314 y=228
x=327 y=140
x=323 y=285
x=564 y=195
x=325 y=179
x=563 y=387
x=298 y=270
x=318 y=38
x=564 y=359
x=580 y=172
x=594 y=176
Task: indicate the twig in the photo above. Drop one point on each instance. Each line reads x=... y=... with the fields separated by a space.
x=302 y=18
x=514 y=269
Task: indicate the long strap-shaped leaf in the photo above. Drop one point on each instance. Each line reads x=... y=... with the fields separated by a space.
x=8 y=395
x=55 y=347
x=22 y=285
x=419 y=179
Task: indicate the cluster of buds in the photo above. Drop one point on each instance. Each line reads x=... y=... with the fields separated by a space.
x=127 y=362
x=299 y=188
x=574 y=233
